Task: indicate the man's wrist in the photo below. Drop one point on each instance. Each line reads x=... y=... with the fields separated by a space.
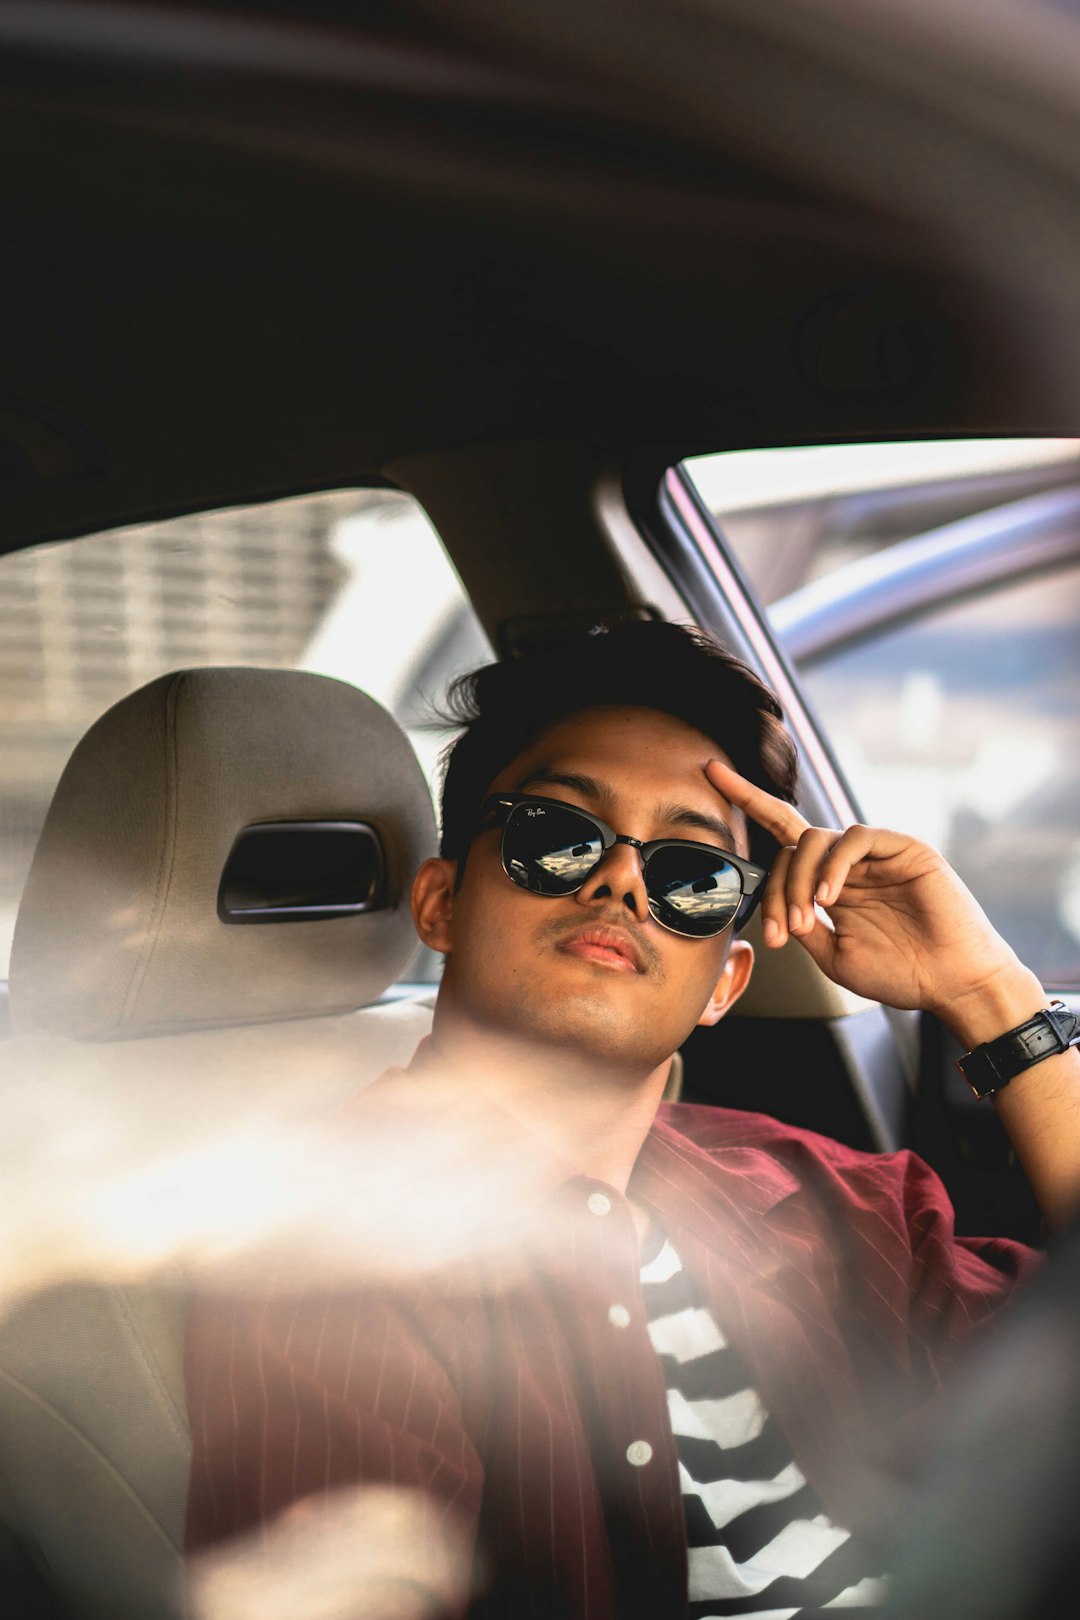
x=994 y=1007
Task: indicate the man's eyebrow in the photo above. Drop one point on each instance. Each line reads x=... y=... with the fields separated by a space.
x=672 y=815
x=681 y=815
x=588 y=786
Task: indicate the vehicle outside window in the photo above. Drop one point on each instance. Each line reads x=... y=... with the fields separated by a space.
x=352 y=584
x=929 y=597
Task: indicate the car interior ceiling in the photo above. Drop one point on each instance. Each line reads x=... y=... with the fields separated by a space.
x=389 y=273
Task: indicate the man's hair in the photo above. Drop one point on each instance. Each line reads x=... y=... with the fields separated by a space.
x=646 y=664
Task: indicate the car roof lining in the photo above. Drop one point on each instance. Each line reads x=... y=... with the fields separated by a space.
x=232 y=281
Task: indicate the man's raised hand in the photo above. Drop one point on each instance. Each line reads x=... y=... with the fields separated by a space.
x=902 y=927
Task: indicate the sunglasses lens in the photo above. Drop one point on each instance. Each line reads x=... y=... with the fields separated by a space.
x=549 y=850
x=696 y=894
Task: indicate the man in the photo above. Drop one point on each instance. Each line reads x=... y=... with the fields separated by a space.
x=667 y=1399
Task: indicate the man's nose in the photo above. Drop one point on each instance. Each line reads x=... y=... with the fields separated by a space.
x=618 y=876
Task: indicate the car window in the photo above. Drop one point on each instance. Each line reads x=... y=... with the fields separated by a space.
x=963 y=724
x=352 y=584
x=955 y=718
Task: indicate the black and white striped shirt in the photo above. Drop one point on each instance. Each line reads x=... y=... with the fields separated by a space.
x=760 y=1542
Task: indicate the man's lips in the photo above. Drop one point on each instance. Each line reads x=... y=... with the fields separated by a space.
x=612 y=947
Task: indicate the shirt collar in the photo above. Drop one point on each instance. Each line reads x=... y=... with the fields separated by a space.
x=721 y=1194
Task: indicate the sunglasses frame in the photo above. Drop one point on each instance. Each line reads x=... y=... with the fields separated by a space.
x=751 y=876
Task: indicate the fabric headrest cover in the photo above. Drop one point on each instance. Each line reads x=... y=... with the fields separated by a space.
x=118 y=933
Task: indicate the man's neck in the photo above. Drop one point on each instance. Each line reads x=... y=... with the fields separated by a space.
x=594 y=1118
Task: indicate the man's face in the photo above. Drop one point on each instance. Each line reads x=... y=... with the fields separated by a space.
x=544 y=969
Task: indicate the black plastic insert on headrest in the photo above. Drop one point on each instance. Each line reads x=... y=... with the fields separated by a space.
x=302 y=871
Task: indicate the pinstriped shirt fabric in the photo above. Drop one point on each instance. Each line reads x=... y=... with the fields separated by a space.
x=535 y=1412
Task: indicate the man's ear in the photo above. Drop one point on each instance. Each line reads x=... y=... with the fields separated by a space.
x=732 y=981
x=433 y=903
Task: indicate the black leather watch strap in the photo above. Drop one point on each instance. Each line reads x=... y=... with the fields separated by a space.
x=989 y=1067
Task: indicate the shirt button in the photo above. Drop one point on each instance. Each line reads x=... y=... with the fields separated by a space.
x=618 y=1316
x=600 y=1203
x=638 y=1453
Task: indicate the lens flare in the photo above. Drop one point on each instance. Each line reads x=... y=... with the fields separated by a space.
x=372 y=1553
x=217 y=1163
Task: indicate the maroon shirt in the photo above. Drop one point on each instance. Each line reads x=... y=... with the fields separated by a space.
x=835 y=1274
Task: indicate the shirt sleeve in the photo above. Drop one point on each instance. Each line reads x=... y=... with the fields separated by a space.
x=918 y=1289
x=296 y=1400
x=957 y=1282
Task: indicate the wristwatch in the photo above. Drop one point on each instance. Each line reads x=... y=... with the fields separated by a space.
x=989 y=1067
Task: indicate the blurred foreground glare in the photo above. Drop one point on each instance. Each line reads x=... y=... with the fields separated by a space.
x=195 y=1170
x=337 y=1559
x=200 y=1165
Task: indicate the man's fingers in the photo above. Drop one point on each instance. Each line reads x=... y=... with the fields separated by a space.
x=819 y=943
x=777 y=922
x=804 y=877
x=836 y=868
x=777 y=817
x=774 y=905
x=856 y=843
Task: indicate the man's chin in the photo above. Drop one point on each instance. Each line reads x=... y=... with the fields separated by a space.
x=587 y=1028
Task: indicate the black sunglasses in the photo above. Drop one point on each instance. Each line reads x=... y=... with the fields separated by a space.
x=551 y=849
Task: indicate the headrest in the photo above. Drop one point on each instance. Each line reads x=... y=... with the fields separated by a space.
x=126 y=927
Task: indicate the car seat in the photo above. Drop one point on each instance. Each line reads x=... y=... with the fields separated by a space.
x=221 y=882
